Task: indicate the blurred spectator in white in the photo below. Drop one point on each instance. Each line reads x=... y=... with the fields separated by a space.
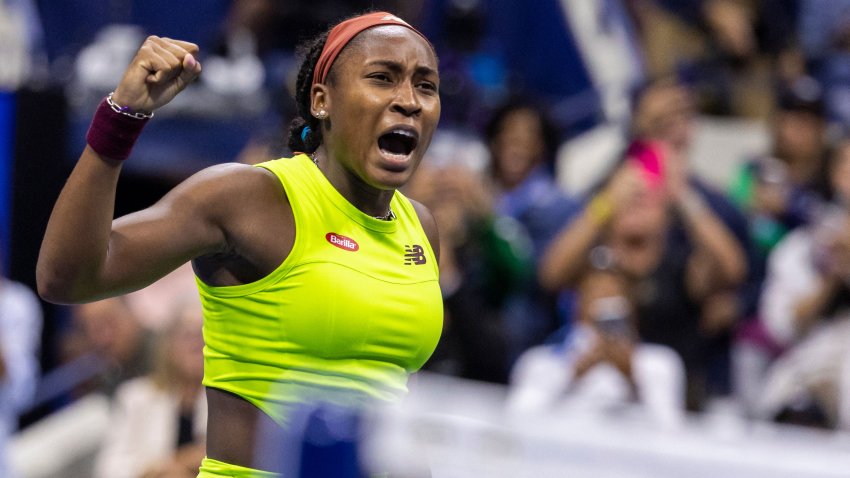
x=806 y=308
x=601 y=363
x=20 y=336
x=159 y=420
x=522 y=142
x=106 y=345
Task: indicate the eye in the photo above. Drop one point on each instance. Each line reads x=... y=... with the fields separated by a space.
x=381 y=77
x=428 y=86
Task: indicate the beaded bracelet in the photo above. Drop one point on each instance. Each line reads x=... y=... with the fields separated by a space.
x=115 y=129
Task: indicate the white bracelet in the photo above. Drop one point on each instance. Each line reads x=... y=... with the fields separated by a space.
x=125 y=110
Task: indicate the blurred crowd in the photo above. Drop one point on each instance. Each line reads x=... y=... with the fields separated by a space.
x=602 y=278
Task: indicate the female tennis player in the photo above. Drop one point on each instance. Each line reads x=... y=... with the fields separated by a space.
x=318 y=278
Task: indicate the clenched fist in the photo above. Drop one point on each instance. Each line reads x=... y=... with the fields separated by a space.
x=161 y=69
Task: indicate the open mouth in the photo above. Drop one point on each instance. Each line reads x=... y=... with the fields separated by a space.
x=400 y=142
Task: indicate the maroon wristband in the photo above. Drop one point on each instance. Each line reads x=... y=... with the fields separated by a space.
x=112 y=134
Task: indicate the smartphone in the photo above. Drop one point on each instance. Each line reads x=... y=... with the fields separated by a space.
x=650 y=158
x=611 y=316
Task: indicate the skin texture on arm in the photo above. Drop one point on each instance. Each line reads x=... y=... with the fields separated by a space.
x=85 y=255
x=220 y=217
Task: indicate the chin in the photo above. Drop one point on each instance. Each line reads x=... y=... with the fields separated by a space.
x=392 y=180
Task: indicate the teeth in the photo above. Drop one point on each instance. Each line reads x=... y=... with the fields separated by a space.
x=404 y=132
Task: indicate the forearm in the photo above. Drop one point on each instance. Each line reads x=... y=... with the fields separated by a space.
x=567 y=254
x=714 y=239
x=76 y=241
x=77 y=262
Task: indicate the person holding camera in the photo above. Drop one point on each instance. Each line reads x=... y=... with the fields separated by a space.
x=601 y=363
x=669 y=233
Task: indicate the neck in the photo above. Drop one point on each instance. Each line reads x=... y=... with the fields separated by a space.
x=369 y=199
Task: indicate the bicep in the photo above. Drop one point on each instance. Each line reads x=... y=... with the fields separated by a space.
x=148 y=244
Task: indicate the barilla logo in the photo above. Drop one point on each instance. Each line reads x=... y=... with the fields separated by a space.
x=342 y=242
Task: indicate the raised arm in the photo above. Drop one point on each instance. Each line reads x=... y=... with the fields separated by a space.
x=85 y=255
x=711 y=237
x=567 y=254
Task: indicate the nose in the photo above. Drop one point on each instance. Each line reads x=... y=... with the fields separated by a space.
x=406 y=100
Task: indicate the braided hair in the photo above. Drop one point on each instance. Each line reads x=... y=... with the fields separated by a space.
x=305 y=132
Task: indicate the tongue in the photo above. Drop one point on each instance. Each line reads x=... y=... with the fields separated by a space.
x=393 y=143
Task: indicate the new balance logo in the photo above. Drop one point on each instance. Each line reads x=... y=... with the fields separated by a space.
x=414 y=254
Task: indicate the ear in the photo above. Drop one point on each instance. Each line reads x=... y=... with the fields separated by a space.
x=319 y=99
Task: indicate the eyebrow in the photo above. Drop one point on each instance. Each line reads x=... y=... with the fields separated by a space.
x=396 y=67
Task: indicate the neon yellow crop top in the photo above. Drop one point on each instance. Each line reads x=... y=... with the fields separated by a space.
x=356 y=306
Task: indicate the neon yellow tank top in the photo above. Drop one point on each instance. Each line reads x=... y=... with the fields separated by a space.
x=355 y=307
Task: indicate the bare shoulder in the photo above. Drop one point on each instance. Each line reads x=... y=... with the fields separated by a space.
x=429 y=225
x=229 y=178
x=249 y=208
x=228 y=187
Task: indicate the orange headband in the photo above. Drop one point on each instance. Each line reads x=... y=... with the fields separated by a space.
x=341 y=34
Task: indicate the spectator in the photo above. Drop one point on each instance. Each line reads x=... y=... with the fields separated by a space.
x=601 y=361
x=485 y=263
x=778 y=192
x=20 y=335
x=805 y=307
x=159 y=420
x=106 y=345
x=522 y=143
x=664 y=111
x=667 y=240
